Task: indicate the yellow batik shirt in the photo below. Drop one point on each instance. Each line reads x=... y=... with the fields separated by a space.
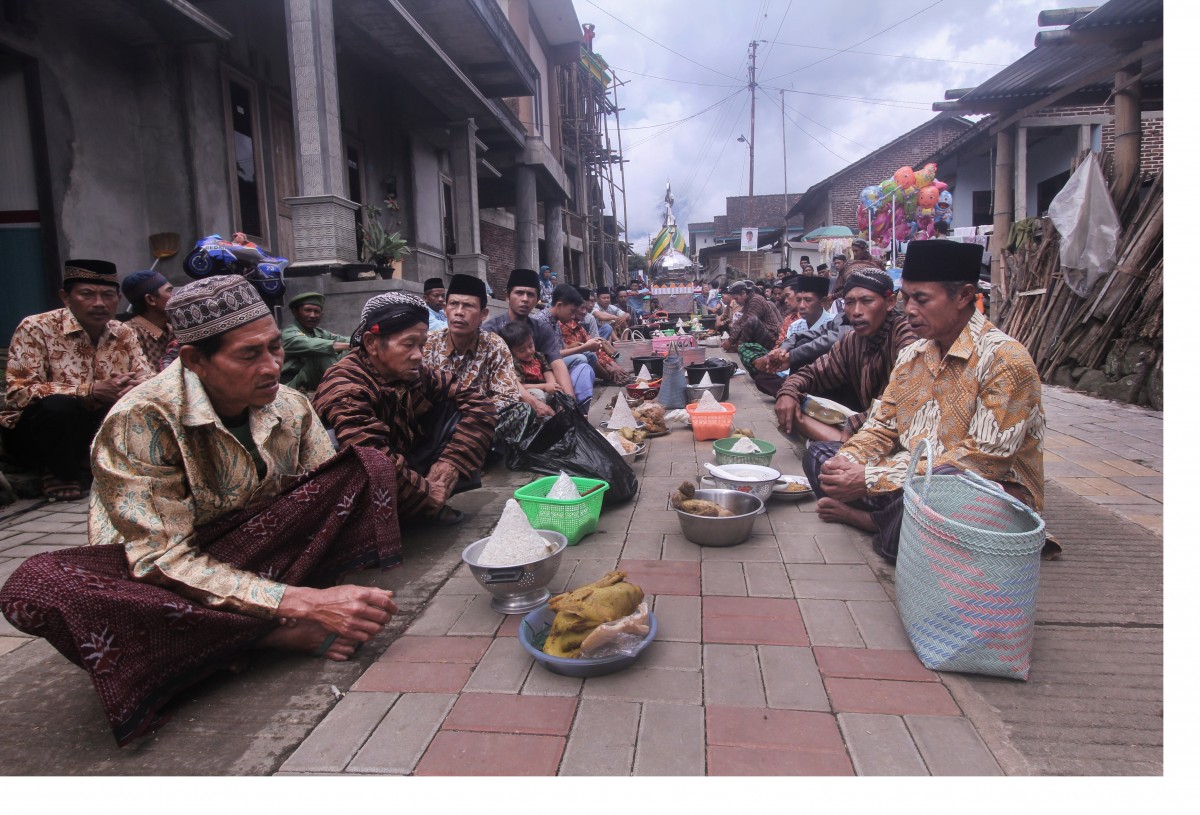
x=980 y=406
x=164 y=465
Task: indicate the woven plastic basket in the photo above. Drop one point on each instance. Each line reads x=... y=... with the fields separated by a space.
x=661 y=344
x=708 y=426
x=766 y=452
x=628 y=349
x=574 y=519
x=967 y=572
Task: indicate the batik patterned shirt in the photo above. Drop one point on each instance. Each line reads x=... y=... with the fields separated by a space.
x=164 y=465
x=366 y=408
x=50 y=354
x=153 y=340
x=488 y=366
x=980 y=406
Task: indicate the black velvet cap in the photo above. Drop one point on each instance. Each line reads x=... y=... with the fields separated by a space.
x=468 y=284
x=524 y=278
x=942 y=261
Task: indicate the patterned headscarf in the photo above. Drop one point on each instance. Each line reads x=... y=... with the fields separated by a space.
x=389 y=313
x=875 y=280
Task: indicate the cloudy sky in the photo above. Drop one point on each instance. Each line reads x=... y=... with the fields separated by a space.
x=855 y=74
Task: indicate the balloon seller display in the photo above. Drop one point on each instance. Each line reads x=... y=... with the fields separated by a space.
x=904 y=206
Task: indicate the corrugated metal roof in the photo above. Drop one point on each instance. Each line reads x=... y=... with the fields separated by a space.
x=1044 y=70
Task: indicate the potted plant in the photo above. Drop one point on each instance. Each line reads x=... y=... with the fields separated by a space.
x=381 y=243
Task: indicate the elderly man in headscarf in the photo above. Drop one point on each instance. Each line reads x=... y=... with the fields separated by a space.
x=435 y=427
x=221 y=520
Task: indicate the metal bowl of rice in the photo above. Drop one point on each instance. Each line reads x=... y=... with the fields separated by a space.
x=521 y=588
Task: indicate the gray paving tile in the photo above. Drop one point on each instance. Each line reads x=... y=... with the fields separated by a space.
x=331 y=746
x=951 y=746
x=880 y=745
x=478 y=619
x=758 y=549
x=603 y=738
x=879 y=624
x=676 y=656
x=732 y=676
x=400 y=739
x=677 y=547
x=791 y=678
x=541 y=682
x=767 y=580
x=678 y=617
x=670 y=741
x=639 y=684
x=837 y=590
x=502 y=670
x=642 y=546
x=439 y=615
x=828 y=622
x=799 y=548
x=828 y=571
x=838 y=548
x=8 y=644
x=722 y=577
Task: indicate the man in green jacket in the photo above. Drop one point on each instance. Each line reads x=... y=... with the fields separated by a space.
x=308 y=349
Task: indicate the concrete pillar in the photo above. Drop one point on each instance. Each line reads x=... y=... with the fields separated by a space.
x=554 y=238
x=323 y=218
x=527 y=222
x=465 y=168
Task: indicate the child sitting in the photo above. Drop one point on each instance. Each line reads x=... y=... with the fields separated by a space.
x=532 y=368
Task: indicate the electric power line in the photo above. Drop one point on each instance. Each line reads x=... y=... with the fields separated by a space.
x=669 y=79
x=777 y=30
x=685 y=118
x=824 y=126
x=797 y=125
x=894 y=56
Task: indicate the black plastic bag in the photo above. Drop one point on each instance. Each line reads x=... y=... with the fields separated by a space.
x=565 y=442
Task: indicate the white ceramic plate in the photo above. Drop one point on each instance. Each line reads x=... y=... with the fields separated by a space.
x=780 y=489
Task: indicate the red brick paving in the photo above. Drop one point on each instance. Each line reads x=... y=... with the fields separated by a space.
x=457 y=752
x=872 y=663
x=885 y=696
x=752 y=621
x=510 y=626
x=414 y=677
x=507 y=713
x=760 y=607
x=663 y=576
x=465 y=650
x=772 y=729
x=749 y=761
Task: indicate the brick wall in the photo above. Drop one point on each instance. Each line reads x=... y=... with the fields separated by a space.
x=1151 y=157
x=500 y=246
x=769 y=211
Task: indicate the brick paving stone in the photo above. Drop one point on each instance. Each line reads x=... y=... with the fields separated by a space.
x=639 y=684
x=872 y=663
x=670 y=740
x=951 y=746
x=732 y=676
x=589 y=570
x=827 y=571
x=437 y=617
x=505 y=713
x=642 y=546
x=478 y=619
x=881 y=745
x=541 y=682
x=8 y=644
x=465 y=650
x=414 y=677
x=603 y=739
x=39 y=525
x=879 y=624
x=758 y=549
x=884 y=696
x=8 y=566
x=798 y=548
x=663 y=576
x=754 y=631
x=766 y=608
x=791 y=678
x=767 y=580
x=678 y=618
x=837 y=548
x=398 y=741
x=837 y=590
x=503 y=668
x=767 y=729
x=828 y=622
x=675 y=656
x=746 y=761
x=337 y=738
x=677 y=547
x=720 y=577
x=30 y=549
x=17 y=538
x=462 y=753
x=59 y=539
x=462 y=585
x=596 y=546
x=510 y=626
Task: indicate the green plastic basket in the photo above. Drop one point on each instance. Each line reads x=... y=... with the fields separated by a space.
x=574 y=519
x=762 y=458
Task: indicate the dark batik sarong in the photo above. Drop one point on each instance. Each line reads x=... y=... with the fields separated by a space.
x=142 y=644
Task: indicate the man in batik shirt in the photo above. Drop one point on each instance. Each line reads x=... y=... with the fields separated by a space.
x=435 y=428
x=972 y=391
x=220 y=522
x=65 y=370
x=148 y=292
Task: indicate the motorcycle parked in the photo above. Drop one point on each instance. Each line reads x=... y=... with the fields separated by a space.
x=215 y=256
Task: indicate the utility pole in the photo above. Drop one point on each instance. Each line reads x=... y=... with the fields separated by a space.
x=753 y=89
x=784 y=249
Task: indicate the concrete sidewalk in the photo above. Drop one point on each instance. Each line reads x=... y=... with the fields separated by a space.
x=783 y=655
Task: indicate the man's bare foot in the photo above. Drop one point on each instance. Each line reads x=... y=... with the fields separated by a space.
x=833 y=511
x=308 y=637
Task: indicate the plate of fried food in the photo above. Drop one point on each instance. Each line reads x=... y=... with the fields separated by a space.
x=791 y=488
x=654 y=417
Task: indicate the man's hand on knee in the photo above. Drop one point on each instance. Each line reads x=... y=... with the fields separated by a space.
x=354 y=612
x=787 y=413
x=843 y=479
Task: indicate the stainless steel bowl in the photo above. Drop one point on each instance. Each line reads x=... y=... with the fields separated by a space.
x=694 y=392
x=722 y=531
x=517 y=589
x=755 y=479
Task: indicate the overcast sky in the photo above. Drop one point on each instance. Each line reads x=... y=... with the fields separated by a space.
x=856 y=74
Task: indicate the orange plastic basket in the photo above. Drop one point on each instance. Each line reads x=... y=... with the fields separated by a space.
x=709 y=426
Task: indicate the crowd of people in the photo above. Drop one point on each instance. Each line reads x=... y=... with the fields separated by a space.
x=226 y=503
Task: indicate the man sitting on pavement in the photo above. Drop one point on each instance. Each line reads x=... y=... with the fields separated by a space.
x=65 y=370
x=308 y=349
x=435 y=427
x=435 y=300
x=580 y=352
x=806 y=297
x=220 y=522
x=758 y=324
x=855 y=371
x=522 y=296
x=148 y=292
x=610 y=317
x=970 y=389
x=481 y=360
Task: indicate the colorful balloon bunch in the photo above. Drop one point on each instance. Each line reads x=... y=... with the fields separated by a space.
x=905 y=206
